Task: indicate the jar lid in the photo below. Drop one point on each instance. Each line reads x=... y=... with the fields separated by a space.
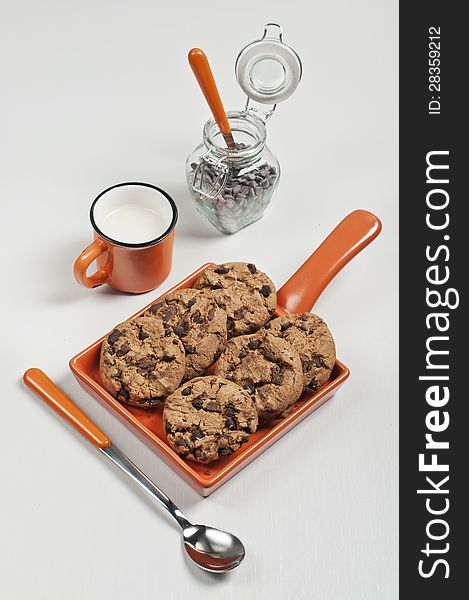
x=268 y=70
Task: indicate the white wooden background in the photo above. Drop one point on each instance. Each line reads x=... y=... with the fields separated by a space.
x=97 y=92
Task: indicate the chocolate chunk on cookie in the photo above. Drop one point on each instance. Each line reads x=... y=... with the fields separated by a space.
x=246 y=293
x=140 y=364
x=311 y=338
x=268 y=367
x=208 y=418
x=199 y=323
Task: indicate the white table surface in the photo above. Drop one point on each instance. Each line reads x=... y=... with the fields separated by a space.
x=93 y=93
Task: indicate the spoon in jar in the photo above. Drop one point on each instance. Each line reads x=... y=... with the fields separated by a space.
x=211 y=549
x=203 y=73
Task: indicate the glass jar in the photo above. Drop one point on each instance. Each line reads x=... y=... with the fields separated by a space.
x=233 y=188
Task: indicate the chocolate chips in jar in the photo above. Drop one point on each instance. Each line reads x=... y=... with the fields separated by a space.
x=233 y=187
x=241 y=198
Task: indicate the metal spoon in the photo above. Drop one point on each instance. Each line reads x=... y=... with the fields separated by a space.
x=211 y=549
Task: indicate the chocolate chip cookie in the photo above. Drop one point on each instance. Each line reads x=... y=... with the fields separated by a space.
x=246 y=293
x=199 y=323
x=268 y=367
x=141 y=362
x=313 y=341
x=208 y=418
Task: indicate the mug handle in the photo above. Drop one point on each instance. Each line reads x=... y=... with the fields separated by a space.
x=85 y=259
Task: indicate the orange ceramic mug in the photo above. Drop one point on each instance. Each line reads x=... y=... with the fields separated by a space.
x=134 y=232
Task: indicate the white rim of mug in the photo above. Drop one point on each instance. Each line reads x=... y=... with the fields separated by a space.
x=153 y=242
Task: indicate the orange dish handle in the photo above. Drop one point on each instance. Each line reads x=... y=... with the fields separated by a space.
x=85 y=259
x=352 y=234
x=203 y=73
x=46 y=389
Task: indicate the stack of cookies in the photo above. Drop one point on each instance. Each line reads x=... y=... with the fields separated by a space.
x=263 y=364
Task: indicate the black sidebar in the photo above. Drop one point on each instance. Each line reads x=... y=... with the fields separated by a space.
x=434 y=334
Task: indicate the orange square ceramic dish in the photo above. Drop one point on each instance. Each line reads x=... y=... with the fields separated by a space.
x=298 y=295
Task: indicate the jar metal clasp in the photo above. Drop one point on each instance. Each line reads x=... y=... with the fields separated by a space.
x=252 y=110
x=218 y=184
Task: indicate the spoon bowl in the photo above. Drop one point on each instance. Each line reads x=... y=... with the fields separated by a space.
x=213 y=549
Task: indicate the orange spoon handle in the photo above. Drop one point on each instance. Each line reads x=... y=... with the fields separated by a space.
x=351 y=235
x=46 y=389
x=203 y=73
